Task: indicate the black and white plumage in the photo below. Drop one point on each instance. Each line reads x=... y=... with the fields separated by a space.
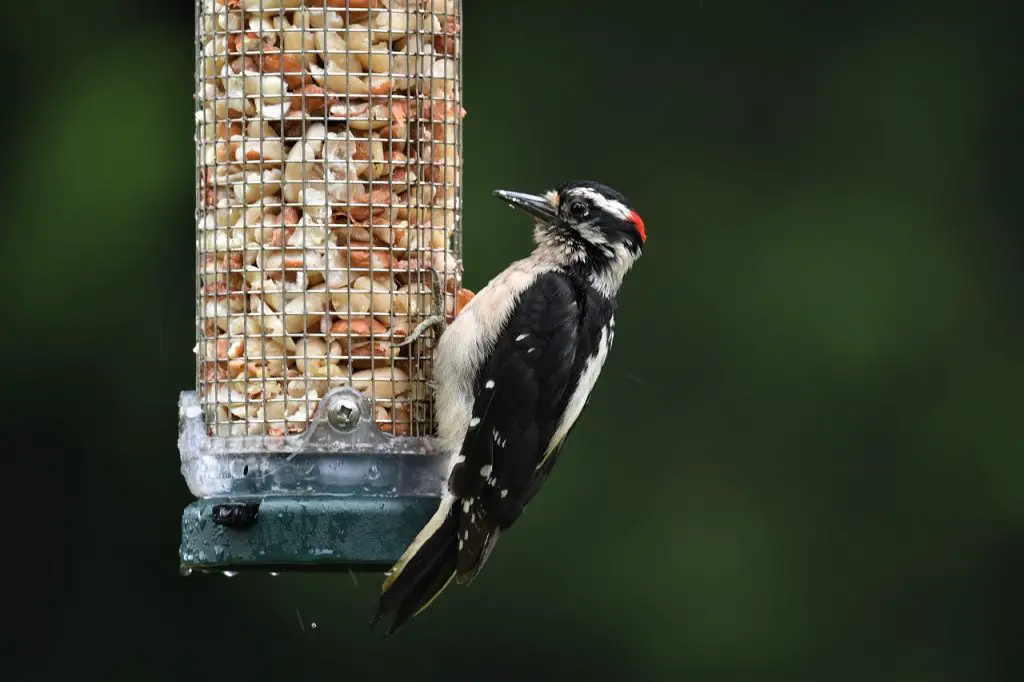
x=513 y=372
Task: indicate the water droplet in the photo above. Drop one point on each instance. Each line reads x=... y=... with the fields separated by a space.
x=273 y=574
x=186 y=572
x=374 y=473
x=230 y=574
x=313 y=625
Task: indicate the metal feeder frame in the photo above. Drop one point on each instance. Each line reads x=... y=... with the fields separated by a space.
x=341 y=494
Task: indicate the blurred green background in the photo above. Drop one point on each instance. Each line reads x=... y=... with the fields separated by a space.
x=804 y=459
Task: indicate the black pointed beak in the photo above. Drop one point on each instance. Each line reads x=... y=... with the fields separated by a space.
x=538 y=207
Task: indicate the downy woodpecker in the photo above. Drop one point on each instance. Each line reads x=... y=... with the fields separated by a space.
x=512 y=372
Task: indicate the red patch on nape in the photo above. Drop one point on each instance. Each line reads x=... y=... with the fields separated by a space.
x=639 y=222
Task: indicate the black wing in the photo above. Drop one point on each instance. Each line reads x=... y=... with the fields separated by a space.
x=545 y=469
x=521 y=392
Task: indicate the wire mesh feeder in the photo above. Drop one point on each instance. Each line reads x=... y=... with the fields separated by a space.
x=328 y=149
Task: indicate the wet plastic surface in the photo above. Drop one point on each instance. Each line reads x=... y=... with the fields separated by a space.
x=324 y=460
x=340 y=495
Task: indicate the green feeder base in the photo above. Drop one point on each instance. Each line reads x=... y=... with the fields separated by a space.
x=300 y=533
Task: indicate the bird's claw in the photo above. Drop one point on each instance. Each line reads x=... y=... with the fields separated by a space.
x=435 y=320
x=437 y=289
x=420 y=330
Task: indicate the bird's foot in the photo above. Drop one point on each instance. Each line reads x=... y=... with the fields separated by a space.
x=421 y=329
x=435 y=320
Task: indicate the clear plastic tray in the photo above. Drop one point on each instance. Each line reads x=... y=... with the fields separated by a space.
x=341 y=453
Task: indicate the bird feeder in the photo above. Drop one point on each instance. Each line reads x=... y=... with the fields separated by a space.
x=328 y=154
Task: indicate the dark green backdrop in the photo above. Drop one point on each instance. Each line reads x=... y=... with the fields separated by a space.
x=804 y=459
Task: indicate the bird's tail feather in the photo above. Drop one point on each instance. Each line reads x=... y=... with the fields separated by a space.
x=424 y=570
x=482 y=539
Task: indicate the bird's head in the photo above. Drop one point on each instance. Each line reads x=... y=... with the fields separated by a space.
x=586 y=225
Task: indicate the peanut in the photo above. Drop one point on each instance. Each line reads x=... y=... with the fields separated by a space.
x=327 y=133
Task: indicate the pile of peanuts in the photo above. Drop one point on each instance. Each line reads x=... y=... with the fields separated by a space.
x=327 y=138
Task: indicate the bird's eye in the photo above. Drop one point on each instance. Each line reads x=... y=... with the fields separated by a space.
x=578 y=210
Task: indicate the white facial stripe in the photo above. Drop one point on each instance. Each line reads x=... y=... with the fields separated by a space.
x=591 y=233
x=616 y=208
x=608 y=280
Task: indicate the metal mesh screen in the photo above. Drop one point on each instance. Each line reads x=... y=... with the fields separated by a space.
x=328 y=147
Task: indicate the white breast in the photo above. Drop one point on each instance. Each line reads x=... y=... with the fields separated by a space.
x=588 y=379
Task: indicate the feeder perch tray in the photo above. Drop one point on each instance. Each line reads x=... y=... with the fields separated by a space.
x=340 y=496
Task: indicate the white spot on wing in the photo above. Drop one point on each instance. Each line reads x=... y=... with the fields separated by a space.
x=485 y=470
x=489 y=384
x=503 y=493
x=521 y=337
x=466 y=505
x=474 y=421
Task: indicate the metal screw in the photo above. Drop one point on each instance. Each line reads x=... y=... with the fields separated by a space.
x=343 y=413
